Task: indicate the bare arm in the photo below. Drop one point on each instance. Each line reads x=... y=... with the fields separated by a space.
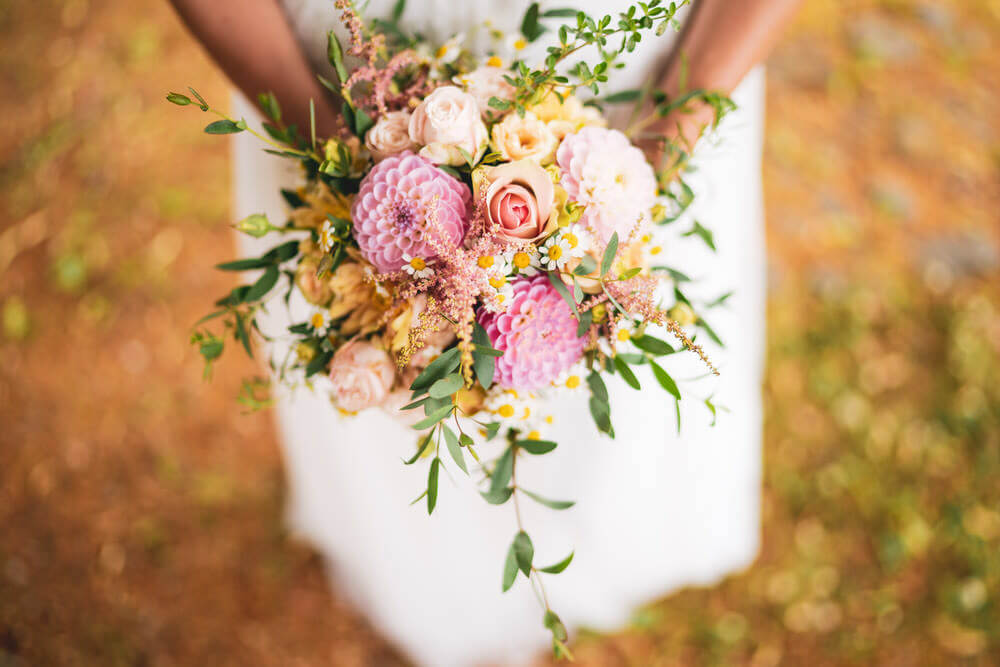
x=721 y=41
x=256 y=48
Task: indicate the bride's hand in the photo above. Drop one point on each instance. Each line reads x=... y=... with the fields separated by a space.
x=254 y=45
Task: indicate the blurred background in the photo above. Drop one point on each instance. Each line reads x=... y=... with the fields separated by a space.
x=141 y=509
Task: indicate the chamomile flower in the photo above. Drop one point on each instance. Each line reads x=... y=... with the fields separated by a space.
x=575 y=239
x=450 y=50
x=417 y=267
x=524 y=262
x=652 y=248
x=516 y=43
x=509 y=408
x=326 y=237
x=571 y=379
x=498 y=293
x=555 y=252
x=320 y=320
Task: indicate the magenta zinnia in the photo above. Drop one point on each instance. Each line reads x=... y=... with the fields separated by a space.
x=408 y=205
x=537 y=336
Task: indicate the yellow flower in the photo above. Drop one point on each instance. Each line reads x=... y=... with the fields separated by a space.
x=567 y=116
x=320 y=201
x=357 y=296
x=623 y=335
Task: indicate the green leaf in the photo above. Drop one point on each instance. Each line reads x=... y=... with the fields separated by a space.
x=454 y=448
x=483 y=364
x=335 y=54
x=269 y=104
x=362 y=122
x=711 y=408
x=434 y=417
x=586 y=266
x=503 y=471
x=665 y=380
x=263 y=284
x=675 y=275
x=563 y=292
x=564 y=13
x=702 y=233
x=586 y=320
x=710 y=331
x=211 y=349
x=556 y=568
x=509 y=569
x=222 y=127
x=242 y=335
x=524 y=551
x=201 y=100
x=178 y=99
x=446 y=386
x=492 y=429
x=437 y=369
x=536 y=447
x=397 y=10
x=626 y=372
x=623 y=96
x=553 y=504
x=631 y=273
x=432 y=484
x=555 y=626
x=497 y=497
x=421 y=449
x=415 y=404
x=601 y=412
x=530 y=27
x=499 y=104
x=245 y=264
x=597 y=386
x=609 y=254
x=318 y=363
x=653 y=345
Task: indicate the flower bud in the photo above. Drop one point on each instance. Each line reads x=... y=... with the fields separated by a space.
x=682 y=314
x=256 y=225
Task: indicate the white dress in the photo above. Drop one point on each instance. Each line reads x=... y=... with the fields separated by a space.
x=655 y=510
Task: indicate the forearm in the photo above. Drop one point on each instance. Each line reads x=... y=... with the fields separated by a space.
x=254 y=45
x=721 y=41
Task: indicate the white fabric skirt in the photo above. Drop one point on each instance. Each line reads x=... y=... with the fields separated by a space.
x=656 y=510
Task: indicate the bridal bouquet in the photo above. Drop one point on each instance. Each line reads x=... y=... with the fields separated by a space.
x=474 y=238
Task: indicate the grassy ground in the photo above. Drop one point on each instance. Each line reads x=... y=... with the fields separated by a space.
x=140 y=512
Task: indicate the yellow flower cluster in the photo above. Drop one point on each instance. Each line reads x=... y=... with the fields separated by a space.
x=320 y=201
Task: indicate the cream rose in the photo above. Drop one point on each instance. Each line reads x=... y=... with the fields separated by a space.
x=361 y=375
x=389 y=135
x=486 y=82
x=520 y=200
x=446 y=123
x=527 y=138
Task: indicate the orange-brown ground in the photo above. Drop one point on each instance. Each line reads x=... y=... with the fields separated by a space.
x=140 y=509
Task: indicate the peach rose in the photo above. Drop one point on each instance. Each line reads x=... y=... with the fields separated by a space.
x=520 y=199
x=446 y=123
x=361 y=375
x=389 y=135
x=527 y=138
x=486 y=82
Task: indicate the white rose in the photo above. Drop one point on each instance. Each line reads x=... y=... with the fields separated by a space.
x=487 y=82
x=446 y=123
x=390 y=135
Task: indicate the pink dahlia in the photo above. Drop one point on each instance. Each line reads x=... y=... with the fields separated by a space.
x=404 y=203
x=537 y=336
x=601 y=169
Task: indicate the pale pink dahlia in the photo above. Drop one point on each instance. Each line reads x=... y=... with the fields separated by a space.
x=601 y=169
x=537 y=335
x=404 y=203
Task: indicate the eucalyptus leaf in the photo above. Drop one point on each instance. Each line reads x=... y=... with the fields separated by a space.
x=609 y=254
x=451 y=440
x=524 y=551
x=497 y=497
x=222 y=127
x=623 y=368
x=437 y=369
x=432 y=484
x=536 y=447
x=665 y=380
x=264 y=284
x=433 y=418
x=552 y=504
x=653 y=345
x=509 y=569
x=446 y=386
x=503 y=471
x=556 y=568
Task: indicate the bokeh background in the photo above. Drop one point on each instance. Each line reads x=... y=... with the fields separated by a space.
x=141 y=509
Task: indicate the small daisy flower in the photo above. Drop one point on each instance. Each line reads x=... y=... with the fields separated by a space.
x=450 y=50
x=509 y=408
x=326 y=237
x=498 y=293
x=417 y=267
x=320 y=320
x=571 y=380
x=576 y=241
x=524 y=262
x=555 y=253
x=516 y=43
x=494 y=61
x=652 y=248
